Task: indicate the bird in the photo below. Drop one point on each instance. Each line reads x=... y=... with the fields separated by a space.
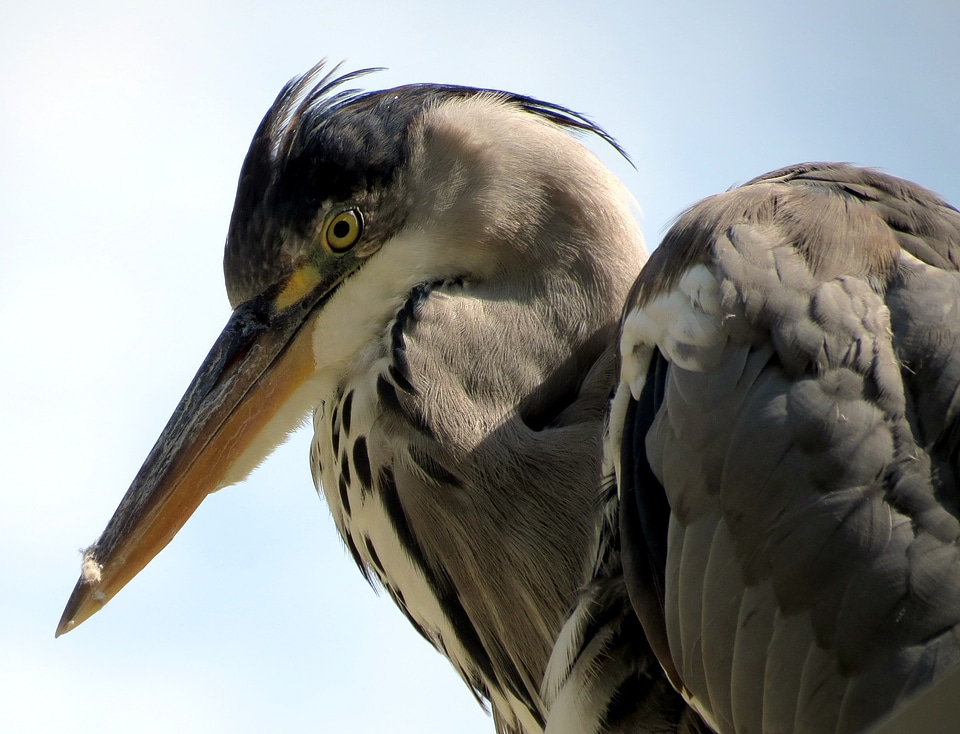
x=714 y=490
x=782 y=496
x=435 y=274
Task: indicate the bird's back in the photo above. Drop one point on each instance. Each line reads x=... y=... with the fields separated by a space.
x=786 y=441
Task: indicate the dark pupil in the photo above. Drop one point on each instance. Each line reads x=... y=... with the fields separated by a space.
x=341 y=229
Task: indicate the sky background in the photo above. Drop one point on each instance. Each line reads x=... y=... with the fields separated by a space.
x=122 y=129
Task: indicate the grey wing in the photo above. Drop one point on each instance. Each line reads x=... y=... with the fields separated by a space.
x=936 y=710
x=786 y=442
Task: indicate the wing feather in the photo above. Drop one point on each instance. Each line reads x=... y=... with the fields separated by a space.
x=806 y=441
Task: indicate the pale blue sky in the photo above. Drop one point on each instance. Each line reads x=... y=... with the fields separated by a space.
x=122 y=131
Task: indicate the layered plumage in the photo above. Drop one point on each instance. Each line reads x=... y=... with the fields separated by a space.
x=785 y=441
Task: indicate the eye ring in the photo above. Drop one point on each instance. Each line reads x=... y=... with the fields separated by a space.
x=342 y=230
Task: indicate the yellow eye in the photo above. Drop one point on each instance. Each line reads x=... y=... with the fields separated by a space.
x=342 y=230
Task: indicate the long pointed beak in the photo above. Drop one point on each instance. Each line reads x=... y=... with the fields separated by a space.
x=262 y=356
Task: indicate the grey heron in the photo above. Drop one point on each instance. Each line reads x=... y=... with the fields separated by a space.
x=436 y=273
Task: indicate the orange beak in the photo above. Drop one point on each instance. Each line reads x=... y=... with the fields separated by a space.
x=259 y=360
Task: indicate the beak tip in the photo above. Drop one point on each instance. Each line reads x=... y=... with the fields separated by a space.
x=65 y=626
x=85 y=601
x=68 y=619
